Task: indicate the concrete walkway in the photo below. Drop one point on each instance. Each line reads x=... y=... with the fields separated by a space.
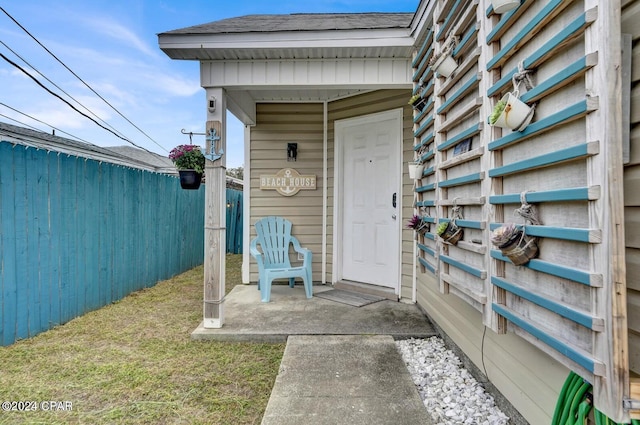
x=340 y=364
x=345 y=379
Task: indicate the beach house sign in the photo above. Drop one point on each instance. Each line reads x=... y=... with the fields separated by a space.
x=287 y=182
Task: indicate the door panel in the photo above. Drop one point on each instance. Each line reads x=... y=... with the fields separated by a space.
x=371 y=175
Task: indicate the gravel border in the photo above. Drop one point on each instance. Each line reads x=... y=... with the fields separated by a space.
x=450 y=393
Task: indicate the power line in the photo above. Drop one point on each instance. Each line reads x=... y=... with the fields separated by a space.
x=81 y=80
x=58 y=87
x=41 y=122
x=68 y=103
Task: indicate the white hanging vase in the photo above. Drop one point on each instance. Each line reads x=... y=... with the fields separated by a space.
x=445 y=65
x=415 y=170
x=511 y=113
x=504 y=6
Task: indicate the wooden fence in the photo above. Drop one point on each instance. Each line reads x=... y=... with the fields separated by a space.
x=78 y=234
x=234 y=221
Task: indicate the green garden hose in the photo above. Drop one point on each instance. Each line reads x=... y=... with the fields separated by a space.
x=574 y=404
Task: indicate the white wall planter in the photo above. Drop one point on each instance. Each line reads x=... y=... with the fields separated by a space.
x=516 y=115
x=504 y=6
x=445 y=65
x=415 y=170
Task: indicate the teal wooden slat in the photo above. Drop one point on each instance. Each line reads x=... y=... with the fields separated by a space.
x=569 y=273
x=21 y=221
x=426 y=264
x=426 y=124
x=425 y=141
x=462 y=266
x=429 y=203
x=427 y=156
x=55 y=218
x=505 y=20
x=425 y=45
x=471 y=178
x=558 y=195
x=470 y=132
x=564 y=233
x=8 y=246
x=68 y=291
x=428 y=171
x=32 y=281
x=430 y=236
x=549 y=85
x=448 y=21
x=429 y=219
x=566 y=350
x=80 y=240
x=460 y=93
x=426 y=188
x=41 y=197
x=563 y=310
x=565 y=115
x=426 y=249
x=560 y=39
x=469 y=224
x=524 y=32
x=466 y=39
x=557 y=157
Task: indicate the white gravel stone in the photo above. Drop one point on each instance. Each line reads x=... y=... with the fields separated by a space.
x=451 y=395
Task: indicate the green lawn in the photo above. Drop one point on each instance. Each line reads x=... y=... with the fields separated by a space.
x=133 y=362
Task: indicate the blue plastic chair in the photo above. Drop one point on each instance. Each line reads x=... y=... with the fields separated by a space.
x=274 y=238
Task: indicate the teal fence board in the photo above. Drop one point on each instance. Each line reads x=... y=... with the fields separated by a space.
x=234 y=221
x=77 y=234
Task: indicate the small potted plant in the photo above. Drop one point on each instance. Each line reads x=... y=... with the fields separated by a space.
x=514 y=244
x=418 y=102
x=449 y=232
x=510 y=112
x=189 y=161
x=443 y=63
x=416 y=223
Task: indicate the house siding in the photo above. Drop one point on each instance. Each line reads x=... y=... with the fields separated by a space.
x=280 y=123
x=630 y=19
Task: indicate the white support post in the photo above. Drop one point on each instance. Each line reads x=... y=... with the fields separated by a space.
x=215 y=213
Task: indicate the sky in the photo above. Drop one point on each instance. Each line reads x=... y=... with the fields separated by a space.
x=112 y=48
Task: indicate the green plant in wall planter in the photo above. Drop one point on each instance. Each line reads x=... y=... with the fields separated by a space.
x=512 y=113
x=449 y=232
x=418 y=102
x=514 y=244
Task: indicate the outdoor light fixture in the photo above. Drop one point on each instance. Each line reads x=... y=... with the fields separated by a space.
x=211 y=104
x=292 y=151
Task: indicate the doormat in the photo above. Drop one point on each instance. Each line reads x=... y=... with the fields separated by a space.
x=354 y=299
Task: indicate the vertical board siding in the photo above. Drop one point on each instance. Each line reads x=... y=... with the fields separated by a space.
x=276 y=125
x=630 y=17
x=78 y=234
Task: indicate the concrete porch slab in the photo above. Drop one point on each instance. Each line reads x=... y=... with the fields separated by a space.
x=248 y=319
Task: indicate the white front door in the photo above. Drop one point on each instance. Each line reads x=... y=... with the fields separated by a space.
x=370 y=149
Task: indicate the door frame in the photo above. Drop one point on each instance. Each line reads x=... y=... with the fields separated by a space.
x=338 y=165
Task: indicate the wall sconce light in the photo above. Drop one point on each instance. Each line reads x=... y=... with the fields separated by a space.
x=292 y=151
x=211 y=104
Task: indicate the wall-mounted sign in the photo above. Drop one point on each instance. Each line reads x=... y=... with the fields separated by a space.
x=287 y=182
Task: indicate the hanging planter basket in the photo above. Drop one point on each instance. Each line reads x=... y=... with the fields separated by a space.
x=504 y=6
x=512 y=113
x=514 y=244
x=450 y=232
x=445 y=65
x=190 y=179
x=415 y=170
x=418 y=102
